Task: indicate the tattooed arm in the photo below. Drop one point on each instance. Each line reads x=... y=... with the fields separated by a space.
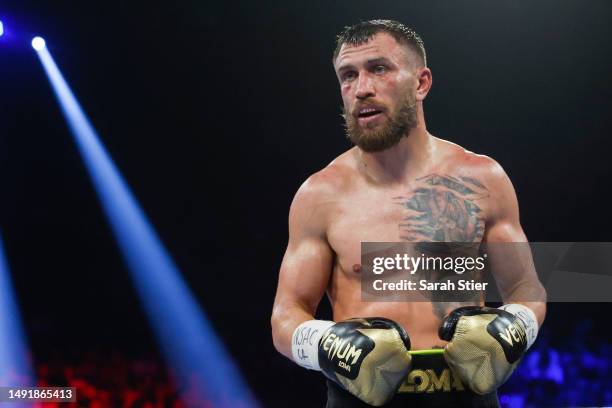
x=511 y=264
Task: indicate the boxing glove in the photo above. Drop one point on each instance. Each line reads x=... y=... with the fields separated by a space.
x=485 y=345
x=368 y=357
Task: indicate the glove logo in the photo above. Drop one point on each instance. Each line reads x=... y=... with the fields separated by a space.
x=512 y=333
x=511 y=336
x=346 y=353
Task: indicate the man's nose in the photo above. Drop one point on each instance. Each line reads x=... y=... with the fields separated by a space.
x=365 y=87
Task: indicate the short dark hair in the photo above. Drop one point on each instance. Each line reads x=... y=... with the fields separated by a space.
x=363 y=32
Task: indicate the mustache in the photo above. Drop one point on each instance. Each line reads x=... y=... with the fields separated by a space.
x=345 y=113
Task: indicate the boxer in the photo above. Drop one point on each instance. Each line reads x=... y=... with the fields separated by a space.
x=400 y=183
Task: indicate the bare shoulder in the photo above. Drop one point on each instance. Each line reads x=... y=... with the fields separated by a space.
x=478 y=169
x=482 y=175
x=323 y=188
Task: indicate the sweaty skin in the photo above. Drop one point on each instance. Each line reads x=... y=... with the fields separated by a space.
x=421 y=189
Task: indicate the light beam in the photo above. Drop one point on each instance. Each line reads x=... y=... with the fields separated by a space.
x=15 y=368
x=198 y=358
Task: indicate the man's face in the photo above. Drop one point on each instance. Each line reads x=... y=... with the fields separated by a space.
x=378 y=89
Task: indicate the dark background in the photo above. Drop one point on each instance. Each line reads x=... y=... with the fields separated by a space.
x=217 y=112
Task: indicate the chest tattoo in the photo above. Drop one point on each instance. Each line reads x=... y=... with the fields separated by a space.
x=443 y=209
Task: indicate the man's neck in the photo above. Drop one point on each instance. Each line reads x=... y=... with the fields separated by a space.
x=396 y=164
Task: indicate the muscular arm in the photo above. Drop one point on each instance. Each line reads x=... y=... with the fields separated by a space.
x=511 y=264
x=306 y=266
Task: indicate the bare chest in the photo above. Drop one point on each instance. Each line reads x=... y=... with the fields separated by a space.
x=432 y=208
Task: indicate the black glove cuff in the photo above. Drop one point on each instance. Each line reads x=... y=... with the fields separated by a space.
x=384 y=323
x=447 y=329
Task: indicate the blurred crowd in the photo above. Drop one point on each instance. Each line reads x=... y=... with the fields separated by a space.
x=567 y=373
x=104 y=381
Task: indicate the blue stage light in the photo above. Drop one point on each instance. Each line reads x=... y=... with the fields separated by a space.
x=198 y=359
x=15 y=369
x=1 y=29
x=38 y=43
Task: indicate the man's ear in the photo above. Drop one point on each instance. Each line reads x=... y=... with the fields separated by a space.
x=424 y=78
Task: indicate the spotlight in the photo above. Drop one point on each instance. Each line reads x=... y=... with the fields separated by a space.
x=38 y=43
x=197 y=357
x=1 y=29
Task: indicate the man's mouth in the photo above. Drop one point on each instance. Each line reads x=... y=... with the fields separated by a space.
x=366 y=115
x=367 y=112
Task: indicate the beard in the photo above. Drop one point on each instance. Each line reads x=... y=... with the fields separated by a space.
x=386 y=135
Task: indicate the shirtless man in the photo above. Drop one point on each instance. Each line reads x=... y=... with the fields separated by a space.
x=455 y=196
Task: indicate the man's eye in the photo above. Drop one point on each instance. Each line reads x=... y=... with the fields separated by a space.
x=380 y=69
x=349 y=76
